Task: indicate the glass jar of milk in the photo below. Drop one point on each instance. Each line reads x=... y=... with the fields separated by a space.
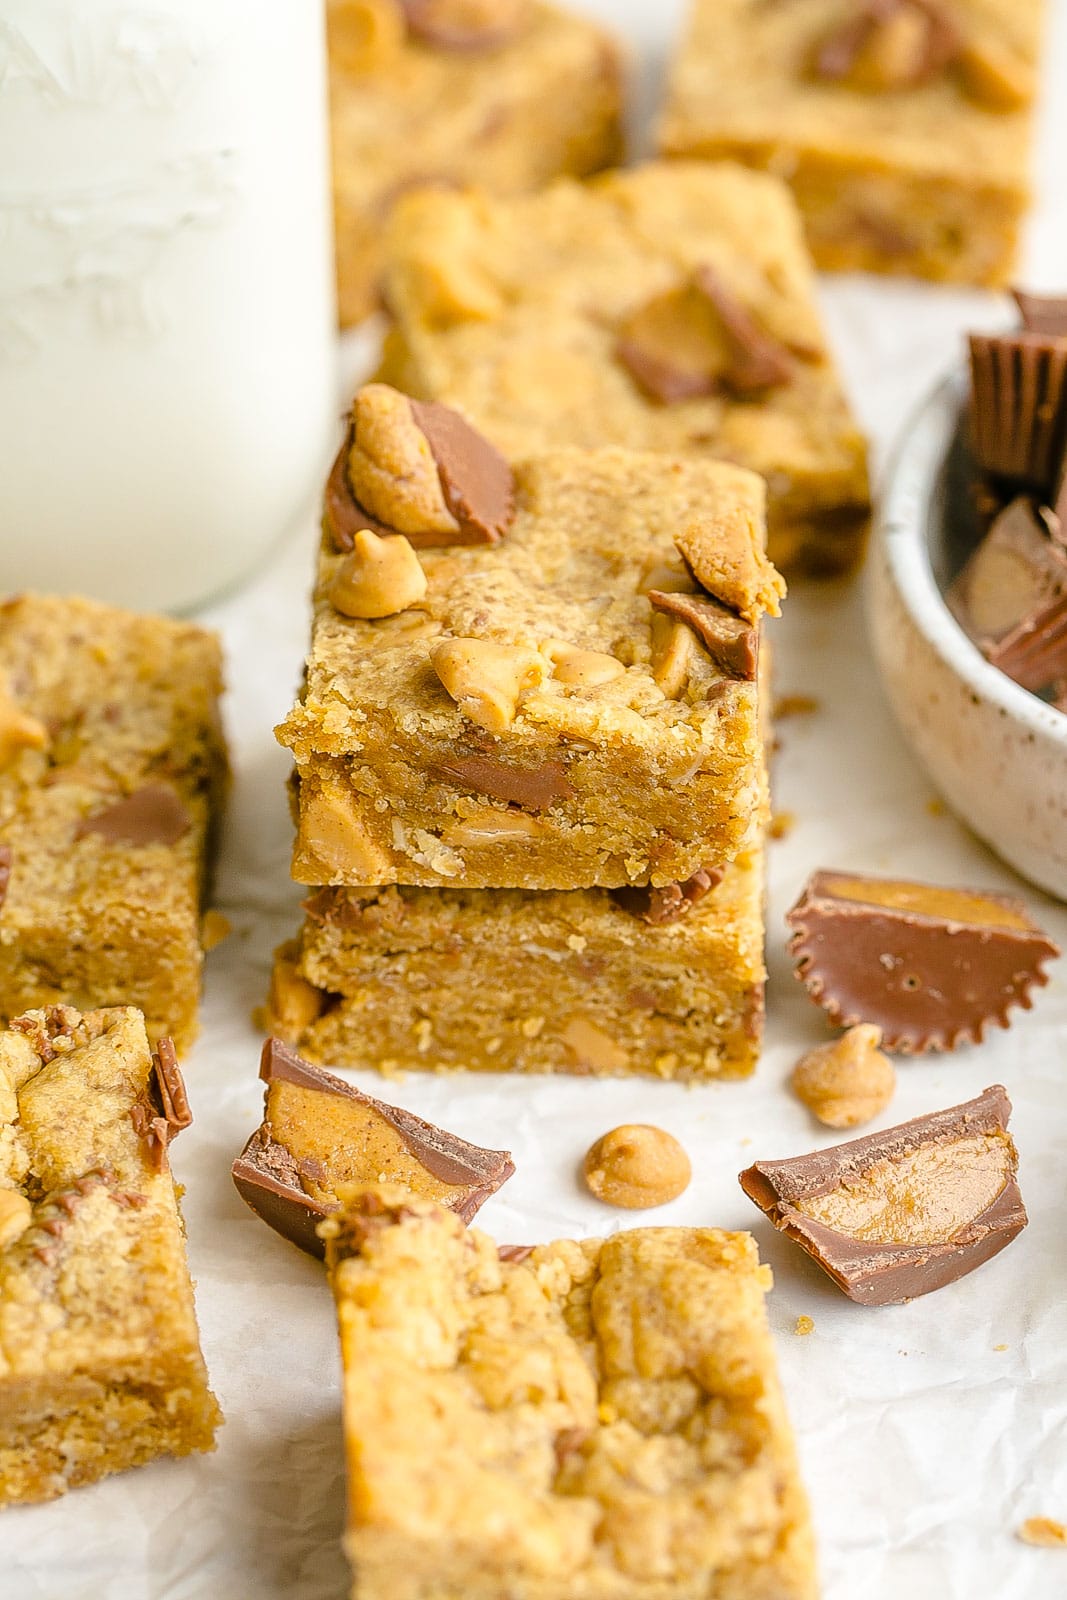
x=167 y=335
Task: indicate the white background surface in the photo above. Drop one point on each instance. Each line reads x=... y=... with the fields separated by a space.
x=923 y=1444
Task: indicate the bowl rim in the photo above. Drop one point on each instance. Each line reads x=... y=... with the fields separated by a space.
x=903 y=524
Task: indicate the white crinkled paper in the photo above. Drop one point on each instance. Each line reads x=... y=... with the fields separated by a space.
x=928 y=1432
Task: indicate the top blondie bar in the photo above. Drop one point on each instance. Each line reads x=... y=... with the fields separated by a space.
x=903 y=127
x=561 y=694
x=669 y=308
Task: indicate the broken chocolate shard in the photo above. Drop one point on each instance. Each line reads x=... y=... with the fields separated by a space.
x=899 y=1213
x=1042 y=313
x=757 y=360
x=273 y=1178
x=1011 y=576
x=153 y=814
x=164 y=1111
x=1034 y=653
x=476 y=481
x=533 y=788
x=659 y=906
x=732 y=643
x=463 y=28
x=1019 y=408
x=930 y=966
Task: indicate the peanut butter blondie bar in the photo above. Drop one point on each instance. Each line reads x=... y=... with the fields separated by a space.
x=100 y=1363
x=903 y=126
x=504 y=93
x=594 y=1420
x=550 y=685
x=112 y=770
x=666 y=982
x=669 y=308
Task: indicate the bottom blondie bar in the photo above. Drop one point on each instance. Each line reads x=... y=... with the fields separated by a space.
x=100 y=1363
x=587 y=1421
x=582 y=980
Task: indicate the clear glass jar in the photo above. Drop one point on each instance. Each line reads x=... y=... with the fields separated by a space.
x=167 y=330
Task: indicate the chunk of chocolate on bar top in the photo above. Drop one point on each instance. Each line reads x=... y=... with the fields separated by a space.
x=930 y=966
x=896 y=1214
x=319 y=1132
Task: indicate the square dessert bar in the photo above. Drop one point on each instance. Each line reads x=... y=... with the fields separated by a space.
x=570 y=704
x=506 y=93
x=594 y=1420
x=666 y=982
x=670 y=308
x=112 y=770
x=100 y=1363
x=903 y=127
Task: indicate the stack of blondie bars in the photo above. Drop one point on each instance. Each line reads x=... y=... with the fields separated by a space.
x=530 y=771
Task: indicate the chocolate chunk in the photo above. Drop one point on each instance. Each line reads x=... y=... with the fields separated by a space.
x=1035 y=652
x=476 y=481
x=533 y=788
x=1019 y=407
x=896 y=1214
x=354 y=908
x=7 y=856
x=732 y=643
x=671 y=901
x=1042 y=313
x=757 y=361
x=154 y=814
x=698 y=339
x=930 y=966
x=274 y=1179
x=889 y=44
x=164 y=1111
x=1012 y=575
x=464 y=27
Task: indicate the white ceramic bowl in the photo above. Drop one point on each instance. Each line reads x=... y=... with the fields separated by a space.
x=997 y=753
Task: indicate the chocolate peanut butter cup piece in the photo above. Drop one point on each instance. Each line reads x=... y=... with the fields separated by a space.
x=1034 y=653
x=1042 y=313
x=930 y=966
x=164 y=1110
x=888 y=44
x=476 y=484
x=671 y=901
x=899 y=1213
x=153 y=814
x=731 y=642
x=320 y=1133
x=1011 y=577
x=1019 y=407
x=465 y=26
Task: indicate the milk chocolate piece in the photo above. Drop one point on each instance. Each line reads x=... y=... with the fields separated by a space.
x=851 y=54
x=1042 y=313
x=1019 y=407
x=325 y=1133
x=533 y=788
x=1010 y=578
x=164 y=1111
x=1035 y=652
x=732 y=643
x=475 y=479
x=896 y=1214
x=672 y=901
x=757 y=361
x=153 y=814
x=930 y=966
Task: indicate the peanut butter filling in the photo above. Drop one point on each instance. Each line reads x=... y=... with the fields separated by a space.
x=336 y=1141
x=927 y=900
x=925 y=1197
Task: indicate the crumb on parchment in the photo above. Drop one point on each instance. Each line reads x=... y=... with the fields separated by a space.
x=1043 y=1531
x=804 y=1326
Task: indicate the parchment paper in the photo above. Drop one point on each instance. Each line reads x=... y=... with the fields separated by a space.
x=928 y=1432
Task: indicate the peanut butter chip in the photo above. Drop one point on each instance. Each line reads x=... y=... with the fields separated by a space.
x=1043 y=1531
x=18 y=732
x=580 y=669
x=364 y=35
x=637 y=1166
x=378 y=578
x=465 y=25
x=294 y=1003
x=154 y=814
x=848 y=1082
x=488 y=681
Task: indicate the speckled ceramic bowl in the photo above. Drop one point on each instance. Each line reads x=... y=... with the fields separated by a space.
x=997 y=753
